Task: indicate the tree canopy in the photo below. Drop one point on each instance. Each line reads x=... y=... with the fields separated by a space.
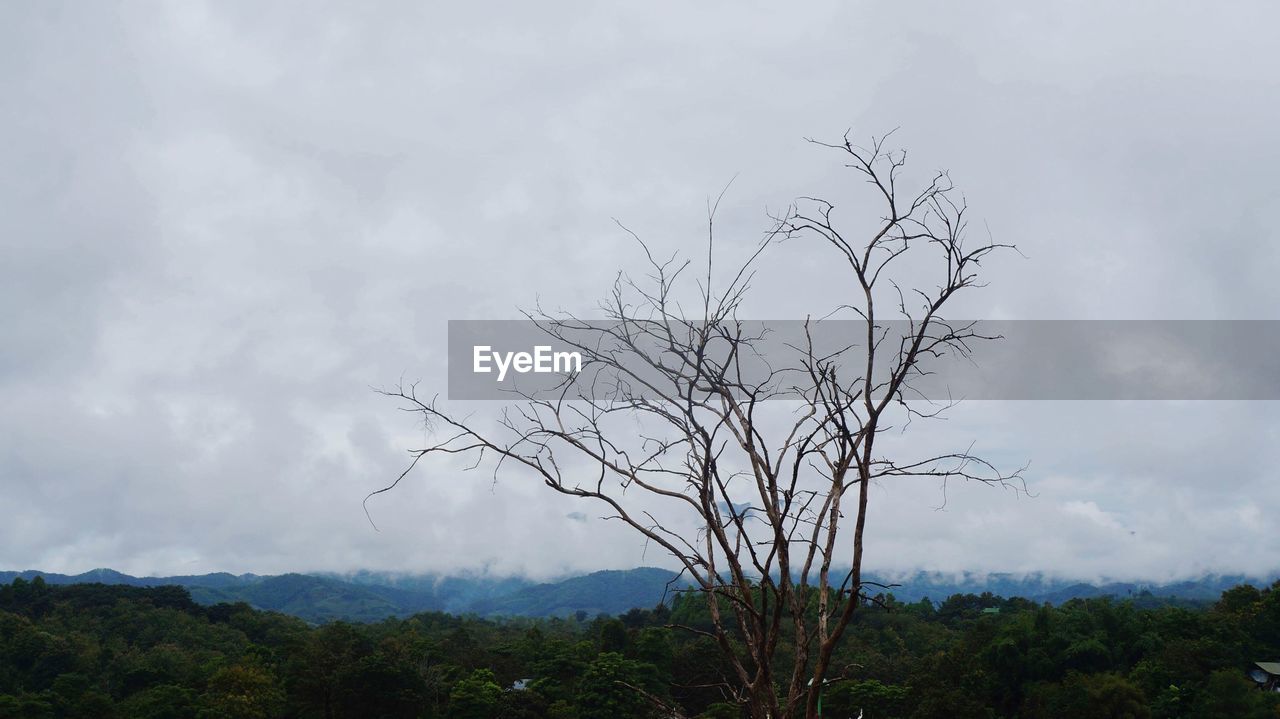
x=99 y=652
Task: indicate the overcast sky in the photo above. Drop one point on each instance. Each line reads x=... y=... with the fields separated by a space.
x=221 y=223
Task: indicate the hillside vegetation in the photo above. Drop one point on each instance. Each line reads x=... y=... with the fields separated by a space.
x=373 y=596
x=95 y=651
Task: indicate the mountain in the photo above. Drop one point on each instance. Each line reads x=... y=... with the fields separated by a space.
x=315 y=599
x=111 y=576
x=454 y=594
x=374 y=596
x=1041 y=588
x=607 y=592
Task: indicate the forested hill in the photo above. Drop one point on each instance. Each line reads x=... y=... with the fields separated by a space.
x=373 y=596
x=95 y=651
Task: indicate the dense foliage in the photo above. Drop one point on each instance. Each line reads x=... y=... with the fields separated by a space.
x=98 y=651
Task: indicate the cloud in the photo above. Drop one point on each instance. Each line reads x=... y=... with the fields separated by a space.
x=221 y=223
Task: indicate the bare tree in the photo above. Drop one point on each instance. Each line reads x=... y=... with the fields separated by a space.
x=764 y=509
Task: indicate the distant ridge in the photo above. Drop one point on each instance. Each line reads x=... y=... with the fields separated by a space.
x=608 y=592
x=1042 y=588
x=373 y=596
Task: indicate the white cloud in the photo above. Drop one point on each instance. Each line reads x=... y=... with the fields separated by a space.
x=221 y=223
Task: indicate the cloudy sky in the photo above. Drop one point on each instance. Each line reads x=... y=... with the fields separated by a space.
x=221 y=223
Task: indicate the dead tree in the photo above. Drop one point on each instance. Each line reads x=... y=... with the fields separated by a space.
x=764 y=508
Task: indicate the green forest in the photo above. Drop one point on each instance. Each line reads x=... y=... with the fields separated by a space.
x=98 y=651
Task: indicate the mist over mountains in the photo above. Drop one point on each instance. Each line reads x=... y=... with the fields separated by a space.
x=366 y=596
